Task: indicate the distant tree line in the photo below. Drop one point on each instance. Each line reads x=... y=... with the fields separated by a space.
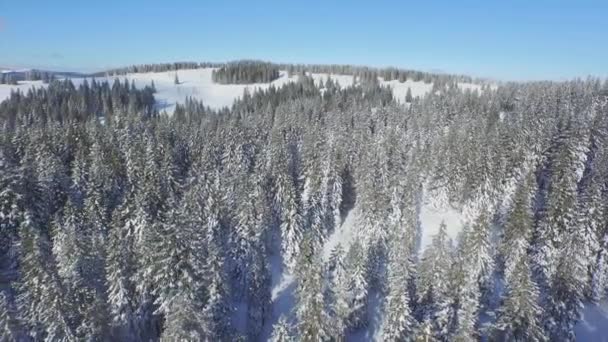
x=14 y=77
x=363 y=73
x=9 y=78
x=246 y=72
x=161 y=67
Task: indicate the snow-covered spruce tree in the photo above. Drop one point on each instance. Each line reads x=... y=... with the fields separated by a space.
x=154 y=217
x=291 y=218
x=519 y=316
x=471 y=278
x=338 y=295
x=281 y=331
x=174 y=265
x=43 y=304
x=564 y=301
x=259 y=295
x=315 y=195
x=517 y=231
x=336 y=200
x=52 y=175
x=591 y=216
x=399 y=321
x=120 y=270
x=12 y=211
x=561 y=207
x=245 y=237
x=479 y=254
x=80 y=269
x=313 y=319
x=374 y=208
x=357 y=280
x=464 y=290
x=215 y=315
x=433 y=302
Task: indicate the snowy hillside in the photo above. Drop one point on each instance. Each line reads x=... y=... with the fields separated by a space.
x=198 y=84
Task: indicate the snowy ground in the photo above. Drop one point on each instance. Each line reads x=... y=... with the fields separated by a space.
x=431 y=217
x=593 y=326
x=197 y=83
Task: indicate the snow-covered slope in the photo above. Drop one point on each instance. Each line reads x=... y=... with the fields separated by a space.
x=198 y=84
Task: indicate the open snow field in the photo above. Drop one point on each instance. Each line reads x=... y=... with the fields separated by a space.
x=198 y=84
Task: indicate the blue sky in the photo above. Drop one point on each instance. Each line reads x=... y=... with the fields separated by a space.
x=514 y=40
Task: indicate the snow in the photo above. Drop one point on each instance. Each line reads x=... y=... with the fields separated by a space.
x=373 y=330
x=343 y=235
x=469 y=86
x=435 y=211
x=194 y=83
x=593 y=325
x=343 y=80
x=6 y=71
x=419 y=89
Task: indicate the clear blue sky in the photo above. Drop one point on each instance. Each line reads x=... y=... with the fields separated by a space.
x=533 y=39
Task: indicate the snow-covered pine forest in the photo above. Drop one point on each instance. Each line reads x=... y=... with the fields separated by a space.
x=295 y=214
